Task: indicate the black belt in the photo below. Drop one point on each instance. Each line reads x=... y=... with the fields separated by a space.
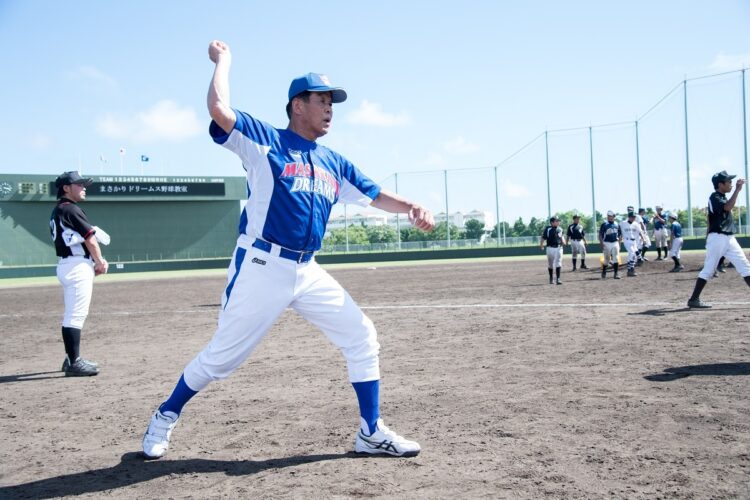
x=723 y=232
x=298 y=257
x=577 y=239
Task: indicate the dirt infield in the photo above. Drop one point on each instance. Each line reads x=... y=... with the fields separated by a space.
x=514 y=388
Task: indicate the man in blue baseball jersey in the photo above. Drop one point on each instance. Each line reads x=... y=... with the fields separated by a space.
x=293 y=182
x=675 y=237
x=720 y=241
x=610 y=237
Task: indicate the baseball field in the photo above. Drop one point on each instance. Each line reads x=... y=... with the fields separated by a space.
x=513 y=387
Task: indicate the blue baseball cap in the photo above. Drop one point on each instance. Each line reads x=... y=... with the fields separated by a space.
x=315 y=82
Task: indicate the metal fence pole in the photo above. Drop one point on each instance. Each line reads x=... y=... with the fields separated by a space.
x=546 y=157
x=398 y=220
x=497 y=209
x=687 y=158
x=593 y=197
x=346 y=229
x=744 y=142
x=447 y=215
x=638 y=163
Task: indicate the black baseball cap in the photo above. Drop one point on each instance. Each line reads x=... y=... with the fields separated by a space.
x=576 y=216
x=72 y=177
x=553 y=219
x=631 y=214
x=722 y=176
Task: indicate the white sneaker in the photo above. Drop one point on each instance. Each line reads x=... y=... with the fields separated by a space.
x=384 y=441
x=156 y=439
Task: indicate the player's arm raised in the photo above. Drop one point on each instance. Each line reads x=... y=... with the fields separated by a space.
x=419 y=216
x=729 y=205
x=218 y=90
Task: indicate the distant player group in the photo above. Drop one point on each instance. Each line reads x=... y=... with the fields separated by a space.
x=632 y=235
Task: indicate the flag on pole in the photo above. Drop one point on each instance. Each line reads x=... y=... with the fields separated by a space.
x=122 y=151
x=144 y=158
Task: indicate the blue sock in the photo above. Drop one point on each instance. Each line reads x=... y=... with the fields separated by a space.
x=180 y=396
x=368 y=395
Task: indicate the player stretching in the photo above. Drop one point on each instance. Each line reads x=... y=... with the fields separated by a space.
x=553 y=235
x=577 y=240
x=610 y=237
x=720 y=241
x=293 y=182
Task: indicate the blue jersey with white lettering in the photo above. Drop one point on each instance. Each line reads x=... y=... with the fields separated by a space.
x=292 y=183
x=610 y=231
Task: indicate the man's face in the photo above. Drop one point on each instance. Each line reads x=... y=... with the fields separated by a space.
x=317 y=113
x=610 y=218
x=726 y=186
x=75 y=192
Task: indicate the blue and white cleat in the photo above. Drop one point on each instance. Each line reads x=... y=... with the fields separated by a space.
x=156 y=439
x=384 y=442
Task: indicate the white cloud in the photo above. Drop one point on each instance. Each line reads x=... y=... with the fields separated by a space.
x=39 y=142
x=370 y=113
x=459 y=145
x=434 y=159
x=92 y=76
x=730 y=62
x=513 y=190
x=164 y=121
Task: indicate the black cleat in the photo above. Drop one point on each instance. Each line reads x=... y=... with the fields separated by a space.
x=584 y=266
x=558 y=281
x=66 y=363
x=697 y=304
x=81 y=368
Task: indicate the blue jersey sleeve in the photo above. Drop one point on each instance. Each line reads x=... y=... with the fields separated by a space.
x=251 y=139
x=356 y=187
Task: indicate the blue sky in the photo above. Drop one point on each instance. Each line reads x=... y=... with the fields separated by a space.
x=432 y=86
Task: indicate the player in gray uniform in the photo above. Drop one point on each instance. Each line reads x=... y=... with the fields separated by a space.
x=720 y=241
x=80 y=259
x=576 y=235
x=553 y=237
x=660 y=233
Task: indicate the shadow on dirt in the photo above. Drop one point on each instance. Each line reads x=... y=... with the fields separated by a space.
x=134 y=468
x=715 y=369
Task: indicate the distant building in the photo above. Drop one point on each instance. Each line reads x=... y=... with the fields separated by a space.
x=458 y=219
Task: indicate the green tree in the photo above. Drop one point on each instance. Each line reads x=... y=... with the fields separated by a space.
x=500 y=229
x=357 y=236
x=441 y=232
x=413 y=234
x=473 y=229
x=381 y=234
x=519 y=228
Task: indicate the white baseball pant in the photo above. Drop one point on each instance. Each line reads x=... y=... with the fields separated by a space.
x=676 y=247
x=578 y=247
x=631 y=246
x=260 y=286
x=723 y=245
x=76 y=274
x=611 y=251
x=554 y=257
x=660 y=236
